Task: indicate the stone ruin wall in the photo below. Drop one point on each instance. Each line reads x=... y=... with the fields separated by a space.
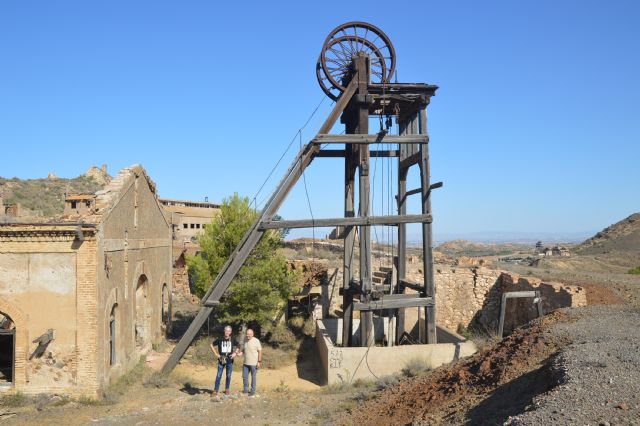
x=180 y=280
x=466 y=295
x=472 y=296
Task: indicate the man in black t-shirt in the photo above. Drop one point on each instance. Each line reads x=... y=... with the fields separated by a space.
x=225 y=349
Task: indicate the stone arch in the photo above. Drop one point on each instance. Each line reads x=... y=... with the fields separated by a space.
x=142 y=327
x=20 y=344
x=110 y=302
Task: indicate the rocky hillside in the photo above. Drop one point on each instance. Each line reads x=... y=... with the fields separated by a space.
x=45 y=197
x=472 y=249
x=623 y=236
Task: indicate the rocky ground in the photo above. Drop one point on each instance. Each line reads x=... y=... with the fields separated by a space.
x=576 y=366
x=598 y=372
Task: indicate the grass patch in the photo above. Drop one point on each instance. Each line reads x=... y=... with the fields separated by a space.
x=275 y=358
x=92 y=402
x=202 y=353
x=63 y=400
x=123 y=383
x=162 y=346
x=15 y=400
x=282 y=387
x=158 y=380
x=634 y=271
x=481 y=337
x=340 y=387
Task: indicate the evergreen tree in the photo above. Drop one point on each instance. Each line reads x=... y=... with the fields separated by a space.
x=264 y=282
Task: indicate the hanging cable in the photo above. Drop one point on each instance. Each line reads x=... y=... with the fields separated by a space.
x=255 y=196
x=313 y=225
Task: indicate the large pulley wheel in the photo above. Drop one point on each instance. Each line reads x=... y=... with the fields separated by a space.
x=346 y=42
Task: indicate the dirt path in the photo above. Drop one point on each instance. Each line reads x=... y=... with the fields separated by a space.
x=284 y=397
x=303 y=376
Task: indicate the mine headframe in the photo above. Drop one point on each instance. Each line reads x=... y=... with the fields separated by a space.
x=355 y=68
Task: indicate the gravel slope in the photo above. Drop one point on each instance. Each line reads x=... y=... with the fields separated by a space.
x=599 y=372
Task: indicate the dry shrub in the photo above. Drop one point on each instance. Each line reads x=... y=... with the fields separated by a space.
x=275 y=358
x=415 y=367
x=15 y=400
x=201 y=352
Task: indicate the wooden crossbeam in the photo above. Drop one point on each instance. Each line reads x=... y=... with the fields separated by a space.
x=369 y=139
x=412 y=285
x=388 y=302
x=345 y=221
x=339 y=153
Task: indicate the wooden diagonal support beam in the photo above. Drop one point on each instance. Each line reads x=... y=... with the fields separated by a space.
x=345 y=221
x=231 y=268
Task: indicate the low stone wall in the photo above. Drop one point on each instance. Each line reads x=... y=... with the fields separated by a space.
x=520 y=311
x=468 y=296
x=342 y=364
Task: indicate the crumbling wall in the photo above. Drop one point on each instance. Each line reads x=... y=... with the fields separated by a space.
x=180 y=279
x=135 y=247
x=519 y=311
x=468 y=296
x=460 y=293
x=44 y=281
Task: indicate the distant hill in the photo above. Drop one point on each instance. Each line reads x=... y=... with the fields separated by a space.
x=45 y=197
x=472 y=249
x=621 y=237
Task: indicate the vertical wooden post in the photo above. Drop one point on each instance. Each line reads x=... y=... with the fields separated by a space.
x=349 y=243
x=402 y=233
x=427 y=237
x=364 y=232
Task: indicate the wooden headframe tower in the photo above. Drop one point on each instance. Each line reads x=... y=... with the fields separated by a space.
x=362 y=54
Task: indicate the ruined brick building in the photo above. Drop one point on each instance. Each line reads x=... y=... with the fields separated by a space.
x=189 y=218
x=82 y=298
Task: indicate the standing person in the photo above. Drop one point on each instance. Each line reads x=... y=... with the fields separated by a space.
x=225 y=349
x=252 y=358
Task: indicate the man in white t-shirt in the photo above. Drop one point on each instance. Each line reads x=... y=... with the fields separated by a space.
x=252 y=358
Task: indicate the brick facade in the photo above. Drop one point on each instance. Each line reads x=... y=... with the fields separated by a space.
x=68 y=277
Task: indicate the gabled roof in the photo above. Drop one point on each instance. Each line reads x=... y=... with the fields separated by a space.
x=108 y=197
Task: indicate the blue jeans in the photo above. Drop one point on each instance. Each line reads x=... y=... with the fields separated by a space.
x=245 y=377
x=221 y=367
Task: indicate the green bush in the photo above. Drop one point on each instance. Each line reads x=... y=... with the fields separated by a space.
x=635 y=271
x=282 y=337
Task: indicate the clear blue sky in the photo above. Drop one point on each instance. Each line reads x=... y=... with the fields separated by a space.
x=535 y=126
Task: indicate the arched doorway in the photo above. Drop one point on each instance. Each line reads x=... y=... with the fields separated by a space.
x=166 y=309
x=113 y=328
x=143 y=317
x=7 y=350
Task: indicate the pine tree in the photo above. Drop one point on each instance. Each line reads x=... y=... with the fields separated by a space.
x=262 y=285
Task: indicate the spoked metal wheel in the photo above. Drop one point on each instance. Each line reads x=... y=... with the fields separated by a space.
x=345 y=42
